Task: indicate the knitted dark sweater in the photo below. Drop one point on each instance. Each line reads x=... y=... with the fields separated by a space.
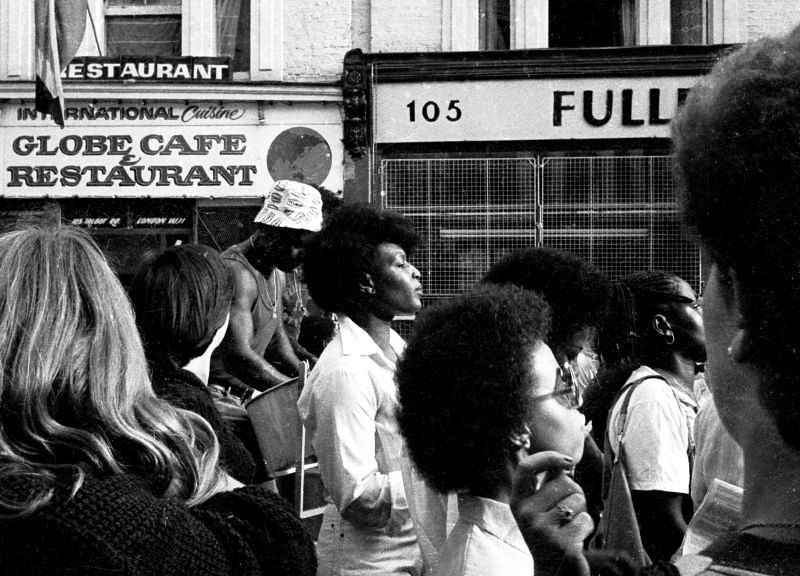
x=184 y=390
x=115 y=525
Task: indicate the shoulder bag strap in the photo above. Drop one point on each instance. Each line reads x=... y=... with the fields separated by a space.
x=623 y=411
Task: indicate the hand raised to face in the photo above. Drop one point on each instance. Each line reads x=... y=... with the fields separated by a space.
x=550 y=509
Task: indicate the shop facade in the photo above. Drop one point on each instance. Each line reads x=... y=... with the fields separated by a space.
x=492 y=151
x=145 y=166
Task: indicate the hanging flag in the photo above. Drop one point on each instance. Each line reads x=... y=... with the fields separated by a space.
x=60 y=25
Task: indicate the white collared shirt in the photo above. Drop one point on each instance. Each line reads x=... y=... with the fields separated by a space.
x=348 y=406
x=349 y=409
x=485 y=540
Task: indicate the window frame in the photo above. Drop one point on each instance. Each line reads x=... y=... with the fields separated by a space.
x=461 y=24
x=143 y=9
x=199 y=37
x=132 y=11
x=650 y=22
x=723 y=22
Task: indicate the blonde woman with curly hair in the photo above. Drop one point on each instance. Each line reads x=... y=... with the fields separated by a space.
x=98 y=475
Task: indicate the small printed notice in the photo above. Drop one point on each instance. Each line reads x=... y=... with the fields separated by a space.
x=720 y=512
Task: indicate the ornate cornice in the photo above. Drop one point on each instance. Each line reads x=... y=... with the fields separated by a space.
x=355 y=101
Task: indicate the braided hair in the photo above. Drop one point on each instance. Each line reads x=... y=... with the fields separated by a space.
x=626 y=340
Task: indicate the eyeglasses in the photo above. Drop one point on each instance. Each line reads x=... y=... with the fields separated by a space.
x=567 y=392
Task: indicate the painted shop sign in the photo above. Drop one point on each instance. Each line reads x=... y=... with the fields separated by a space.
x=553 y=109
x=184 y=114
x=154 y=69
x=114 y=112
x=117 y=222
x=165 y=150
x=136 y=159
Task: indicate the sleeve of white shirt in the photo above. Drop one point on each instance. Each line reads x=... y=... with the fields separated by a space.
x=346 y=405
x=656 y=442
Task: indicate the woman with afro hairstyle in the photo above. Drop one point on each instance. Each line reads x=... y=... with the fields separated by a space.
x=358 y=267
x=479 y=391
x=577 y=292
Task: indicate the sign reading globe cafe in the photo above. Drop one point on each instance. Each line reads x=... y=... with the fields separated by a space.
x=115 y=149
x=136 y=157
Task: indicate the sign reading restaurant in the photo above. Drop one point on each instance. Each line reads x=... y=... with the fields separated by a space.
x=528 y=109
x=155 y=69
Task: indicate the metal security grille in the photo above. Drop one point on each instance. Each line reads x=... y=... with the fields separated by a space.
x=223 y=226
x=468 y=212
x=618 y=212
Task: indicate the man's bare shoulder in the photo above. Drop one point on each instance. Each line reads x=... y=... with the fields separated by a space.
x=244 y=280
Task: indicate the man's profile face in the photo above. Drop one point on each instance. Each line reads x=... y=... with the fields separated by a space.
x=281 y=248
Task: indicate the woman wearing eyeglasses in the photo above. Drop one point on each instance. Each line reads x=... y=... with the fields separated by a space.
x=479 y=390
x=653 y=342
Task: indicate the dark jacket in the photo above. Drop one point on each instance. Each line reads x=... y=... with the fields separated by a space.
x=184 y=390
x=116 y=525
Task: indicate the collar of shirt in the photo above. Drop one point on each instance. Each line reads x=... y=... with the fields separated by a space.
x=681 y=394
x=357 y=342
x=493 y=517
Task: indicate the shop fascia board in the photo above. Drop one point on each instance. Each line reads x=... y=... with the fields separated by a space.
x=544 y=63
x=189 y=92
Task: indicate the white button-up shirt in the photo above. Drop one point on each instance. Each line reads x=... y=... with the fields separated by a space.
x=349 y=406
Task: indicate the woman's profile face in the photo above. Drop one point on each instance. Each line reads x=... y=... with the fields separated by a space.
x=553 y=424
x=396 y=281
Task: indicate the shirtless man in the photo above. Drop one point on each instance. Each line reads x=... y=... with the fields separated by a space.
x=291 y=211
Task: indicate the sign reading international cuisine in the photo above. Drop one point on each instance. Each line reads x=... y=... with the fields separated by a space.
x=528 y=109
x=165 y=149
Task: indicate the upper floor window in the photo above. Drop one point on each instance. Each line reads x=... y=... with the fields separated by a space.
x=173 y=28
x=689 y=21
x=579 y=24
x=233 y=32
x=143 y=27
x=514 y=24
x=511 y=24
x=494 y=32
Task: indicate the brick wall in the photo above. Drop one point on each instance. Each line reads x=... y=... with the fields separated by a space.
x=408 y=26
x=316 y=35
x=771 y=17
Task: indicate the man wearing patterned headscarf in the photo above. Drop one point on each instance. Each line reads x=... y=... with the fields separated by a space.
x=291 y=211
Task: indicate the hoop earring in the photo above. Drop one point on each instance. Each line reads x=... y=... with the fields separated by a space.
x=670 y=338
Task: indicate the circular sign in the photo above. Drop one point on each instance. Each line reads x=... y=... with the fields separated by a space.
x=300 y=154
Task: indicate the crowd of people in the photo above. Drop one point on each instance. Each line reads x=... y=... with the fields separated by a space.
x=545 y=421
